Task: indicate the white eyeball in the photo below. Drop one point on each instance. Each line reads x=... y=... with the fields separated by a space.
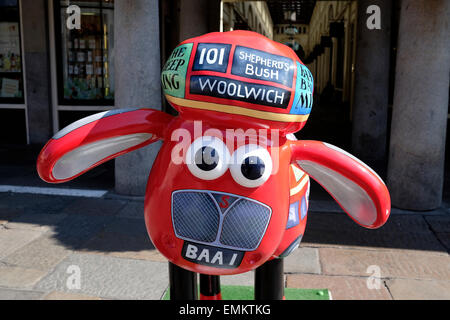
x=207 y=158
x=251 y=165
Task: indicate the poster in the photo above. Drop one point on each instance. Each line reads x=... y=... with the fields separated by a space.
x=10 y=88
x=10 y=59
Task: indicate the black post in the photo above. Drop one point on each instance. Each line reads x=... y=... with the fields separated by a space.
x=182 y=283
x=210 y=287
x=269 y=280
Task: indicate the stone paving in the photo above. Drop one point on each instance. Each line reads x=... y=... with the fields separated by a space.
x=46 y=240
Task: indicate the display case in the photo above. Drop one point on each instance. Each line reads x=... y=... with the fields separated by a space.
x=11 y=70
x=84 y=56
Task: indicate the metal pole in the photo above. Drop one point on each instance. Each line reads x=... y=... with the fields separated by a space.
x=269 y=281
x=210 y=287
x=182 y=283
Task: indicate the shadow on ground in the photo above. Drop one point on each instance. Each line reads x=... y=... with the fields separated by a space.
x=87 y=224
x=111 y=225
x=18 y=168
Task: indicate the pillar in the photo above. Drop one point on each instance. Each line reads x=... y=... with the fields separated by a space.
x=371 y=98
x=419 y=119
x=184 y=19
x=198 y=17
x=37 y=70
x=334 y=60
x=137 y=82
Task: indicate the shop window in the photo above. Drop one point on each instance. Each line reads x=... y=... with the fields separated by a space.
x=11 y=75
x=85 y=65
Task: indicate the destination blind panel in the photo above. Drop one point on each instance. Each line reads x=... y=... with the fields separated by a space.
x=260 y=65
x=225 y=88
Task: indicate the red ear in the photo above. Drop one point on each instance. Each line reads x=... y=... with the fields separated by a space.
x=355 y=186
x=93 y=140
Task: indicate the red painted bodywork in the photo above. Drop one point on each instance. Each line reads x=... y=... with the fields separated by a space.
x=167 y=176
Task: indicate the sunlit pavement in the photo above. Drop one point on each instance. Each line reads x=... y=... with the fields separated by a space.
x=64 y=247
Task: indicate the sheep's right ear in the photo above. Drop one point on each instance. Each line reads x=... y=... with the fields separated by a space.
x=355 y=187
x=98 y=138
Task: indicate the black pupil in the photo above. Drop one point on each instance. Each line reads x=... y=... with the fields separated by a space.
x=253 y=168
x=206 y=158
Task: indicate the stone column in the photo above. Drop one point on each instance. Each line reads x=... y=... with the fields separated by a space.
x=334 y=67
x=137 y=82
x=327 y=66
x=370 y=109
x=37 y=70
x=319 y=73
x=198 y=17
x=419 y=119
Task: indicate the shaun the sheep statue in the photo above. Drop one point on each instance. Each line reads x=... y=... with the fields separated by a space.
x=228 y=192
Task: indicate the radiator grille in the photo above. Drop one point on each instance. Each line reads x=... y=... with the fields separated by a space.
x=244 y=225
x=197 y=217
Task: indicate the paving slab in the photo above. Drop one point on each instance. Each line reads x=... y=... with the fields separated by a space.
x=44 y=253
x=243 y=279
x=340 y=221
x=405 y=224
x=8 y=213
x=14 y=294
x=439 y=223
x=133 y=209
x=18 y=277
x=341 y=287
x=393 y=264
x=35 y=221
x=444 y=238
x=411 y=289
x=94 y=207
x=108 y=277
x=13 y=239
x=57 y=295
x=303 y=260
x=75 y=230
x=124 y=238
x=400 y=232
x=36 y=203
x=373 y=240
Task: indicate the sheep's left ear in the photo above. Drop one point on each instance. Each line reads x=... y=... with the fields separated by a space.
x=93 y=140
x=355 y=186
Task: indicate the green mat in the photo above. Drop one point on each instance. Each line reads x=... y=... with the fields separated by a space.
x=246 y=293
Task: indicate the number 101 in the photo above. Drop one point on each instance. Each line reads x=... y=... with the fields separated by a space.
x=212 y=55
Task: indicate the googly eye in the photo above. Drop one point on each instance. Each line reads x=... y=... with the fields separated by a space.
x=251 y=165
x=207 y=158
